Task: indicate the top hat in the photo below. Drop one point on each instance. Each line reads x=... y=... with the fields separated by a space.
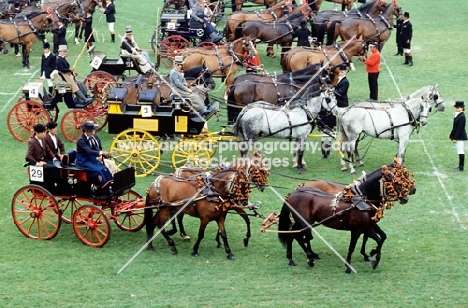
x=62 y=48
x=91 y=11
x=343 y=67
x=51 y=125
x=303 y=23
x=179 y=60
x=46 y=45
x=39 y=128
x=406 y=14
x=128 y=29
x=89 y=125
x=459 y=104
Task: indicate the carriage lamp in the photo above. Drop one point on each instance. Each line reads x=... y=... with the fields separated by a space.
x=72 y=180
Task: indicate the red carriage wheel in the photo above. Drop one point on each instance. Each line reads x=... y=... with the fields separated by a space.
x=91 y=225
x=129 y=214
x=207 y=45
x=67 y=208
x=170 y=47
x=35 y=212
x=98 y=108
x=72 y=122
x=23 y=116
x=100 y=79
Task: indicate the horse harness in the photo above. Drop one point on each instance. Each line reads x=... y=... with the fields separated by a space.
x=18 y=32
x=382 y=19
x=231 y=52
x=288 y=24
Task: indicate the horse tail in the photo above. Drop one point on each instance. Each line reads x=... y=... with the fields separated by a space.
x=231 y=104
x=331 y=31
x=238 y=33
x=284 y=224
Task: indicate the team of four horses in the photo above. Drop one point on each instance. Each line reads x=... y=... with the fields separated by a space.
x=286 y=106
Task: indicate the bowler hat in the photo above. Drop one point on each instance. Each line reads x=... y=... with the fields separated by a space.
x=89 y=125
x=51 y=125
x=62 y=48
x=128 y=29
x=459 y=104
x=343 y=67
x=406 y=14
x=91 y=11
x=303 y=23
x=39 y=128
x=46 y=45
x=179 y=59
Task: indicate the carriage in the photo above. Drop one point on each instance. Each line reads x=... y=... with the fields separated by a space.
x=55 y=195
x=176 y=31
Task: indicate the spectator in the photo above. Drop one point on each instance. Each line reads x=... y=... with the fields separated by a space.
x=458 y=133
x=61 y=32
x=372 y=69
x=303 y=33
x=48 y=64
x=109 y=11
x=406 y=34
x=38 y=151
x=89 y=37
x=397 y=26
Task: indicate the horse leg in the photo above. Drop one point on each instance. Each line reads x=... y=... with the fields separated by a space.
x=201 y=234
x=246 y=218
x=380 y=234
x=182 y=233
x=303 y=239
x=158 y=220
x=222 y=232
x=363 y=248
x=300 y=156
x=355 y=234
x=358 y=157
x=270 y=52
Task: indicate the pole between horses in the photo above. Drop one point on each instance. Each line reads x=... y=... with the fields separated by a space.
x=169 y=221
x=313 y=230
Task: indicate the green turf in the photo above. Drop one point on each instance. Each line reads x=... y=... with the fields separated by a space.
x=423 y=261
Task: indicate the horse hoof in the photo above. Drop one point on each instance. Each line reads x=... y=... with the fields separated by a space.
x=150 y=248
x=353 y=172
x=231 y=257
x=367 y=259
x=301 y=171
x=174 y=250
x=361 y=164
x=194 y=254
x=246 y=242
x=374 y=264
x=344 y=169
x=316 y=257
x=219 y=246
x=348 y=271
x=291 y=263
x=310 y=263
x=186 y=238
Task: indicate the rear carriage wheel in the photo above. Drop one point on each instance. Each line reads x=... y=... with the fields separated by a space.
x=130 y=217
x=67 y=208
x=136 y=149
x=35 y=212
x=23 y=116
x=98 y=108
x=170 y=47
x=208 y=139
x=191 y=153
x=72 y=122
x=91 y=226
x=101 y=79
x=207 y=45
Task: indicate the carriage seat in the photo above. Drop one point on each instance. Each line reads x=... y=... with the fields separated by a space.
x=147 y=96
x=118 y=94
x=60 y=85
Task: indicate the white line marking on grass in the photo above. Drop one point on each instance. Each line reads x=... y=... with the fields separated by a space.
x=313 y=229
x=437 y=173
x=5 y=93
x=14 y=95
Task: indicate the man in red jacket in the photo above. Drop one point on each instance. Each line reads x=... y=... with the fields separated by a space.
x=373 y=69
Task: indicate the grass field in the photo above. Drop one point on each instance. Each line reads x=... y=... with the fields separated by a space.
x=424 y=259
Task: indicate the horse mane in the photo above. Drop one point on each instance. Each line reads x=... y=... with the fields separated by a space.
x=34 y=14
x=365 y=7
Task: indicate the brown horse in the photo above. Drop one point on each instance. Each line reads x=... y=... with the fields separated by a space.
x=277 y=32
x=223 y=61
x=353 y=209
x=332 y=56
x=326 y=19
x=345 y=4
x=237 y=4
x=207 y=197
x=25 y=32
x=369 y=29
x=269 y=14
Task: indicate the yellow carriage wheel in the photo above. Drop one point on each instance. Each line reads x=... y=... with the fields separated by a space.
x=191 y=153
x=137 y=149
x=208 y=139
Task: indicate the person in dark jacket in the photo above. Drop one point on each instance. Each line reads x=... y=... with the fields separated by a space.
x=88 y=31
x=56 y=146
x=38 y=152
x=406 y=34
x=61 y=32
x=341 y=88
x=303 y=33
x=109 y=11
x=48 y=64
x=397 y=26
x=458 y=133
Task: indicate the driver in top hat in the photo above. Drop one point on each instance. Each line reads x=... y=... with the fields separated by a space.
x=129 y=48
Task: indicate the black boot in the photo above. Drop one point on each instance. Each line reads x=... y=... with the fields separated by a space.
x=51 y=90
x=461 y=163
x=112 y=38
x=399 y=52
x=82 y=100
x=325 y=149
x=410 y=60
x=406 y=60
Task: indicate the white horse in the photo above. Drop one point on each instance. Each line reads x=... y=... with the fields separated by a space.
x=393 y=120
x=292 y=122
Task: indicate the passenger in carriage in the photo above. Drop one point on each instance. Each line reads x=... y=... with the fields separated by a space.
x=129 y=48
x=178 y=83
x=97 y=145
x=38 y=152
x=198 y=14
x=87 y=158
x=63 y=68
x=56 y=145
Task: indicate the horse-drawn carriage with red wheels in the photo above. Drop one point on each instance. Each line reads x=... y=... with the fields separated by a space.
x=177 y=31
x=55 y=195
x=37 y=106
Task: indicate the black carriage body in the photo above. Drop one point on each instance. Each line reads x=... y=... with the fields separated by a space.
x=115 y=67
x=73 y=181
x=159 y=120
x=180 y=24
